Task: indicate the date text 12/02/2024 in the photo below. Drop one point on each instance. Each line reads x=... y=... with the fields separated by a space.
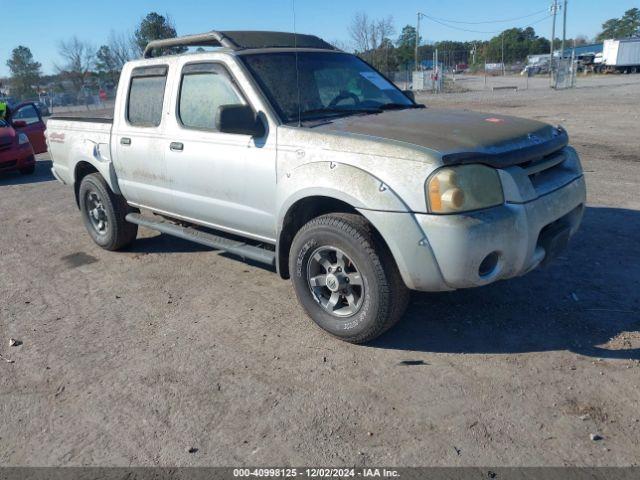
x=316 y=472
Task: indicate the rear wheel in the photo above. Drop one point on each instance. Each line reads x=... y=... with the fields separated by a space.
x=345 y=278
x=104 y=214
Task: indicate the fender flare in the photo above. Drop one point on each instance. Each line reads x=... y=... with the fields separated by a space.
x=339 y=181
x=350 y=185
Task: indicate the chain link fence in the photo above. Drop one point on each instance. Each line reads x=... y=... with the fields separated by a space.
x=489 y=76
x=564 y=75
x=64 y=97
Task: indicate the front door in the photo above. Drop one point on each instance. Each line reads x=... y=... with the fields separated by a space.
x=226 y=181
x=35 y=127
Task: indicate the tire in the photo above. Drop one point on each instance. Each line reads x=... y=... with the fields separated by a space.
x=28 y=170
x=363 y=312
x=99 y=204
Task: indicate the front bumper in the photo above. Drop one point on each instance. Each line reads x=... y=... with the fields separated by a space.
x=17 y=158
x=446 y=252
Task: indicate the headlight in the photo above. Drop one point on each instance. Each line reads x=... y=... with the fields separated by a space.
x=463 y=188
x=22 y=139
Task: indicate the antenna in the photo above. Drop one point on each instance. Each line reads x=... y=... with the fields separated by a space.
x=295 y=46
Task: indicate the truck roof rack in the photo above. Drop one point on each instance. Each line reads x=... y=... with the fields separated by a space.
x=240 y=40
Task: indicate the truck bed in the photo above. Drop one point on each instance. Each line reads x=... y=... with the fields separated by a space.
x=101 y=116
x=72 y=139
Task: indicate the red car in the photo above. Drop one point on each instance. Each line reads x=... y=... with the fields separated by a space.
x=21 y=138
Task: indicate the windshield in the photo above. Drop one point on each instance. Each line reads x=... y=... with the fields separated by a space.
x=331 y=84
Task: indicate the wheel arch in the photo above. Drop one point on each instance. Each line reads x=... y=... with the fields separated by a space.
x=89 y=157
x=301 y=212
x=85 y=166
x=318 y=188
x=81 y=170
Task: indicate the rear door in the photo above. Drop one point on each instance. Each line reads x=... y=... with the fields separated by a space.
x=137 y=137
x=28 y=113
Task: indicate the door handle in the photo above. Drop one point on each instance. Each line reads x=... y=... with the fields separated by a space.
x=176 y=146
x=125 y=141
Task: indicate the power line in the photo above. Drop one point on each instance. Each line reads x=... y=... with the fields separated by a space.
x=491 y=21
x=484 y=31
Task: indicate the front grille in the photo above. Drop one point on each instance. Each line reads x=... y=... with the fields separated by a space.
x=550 y=172
x=5 y=146
x=9 y=164
x=535 y=167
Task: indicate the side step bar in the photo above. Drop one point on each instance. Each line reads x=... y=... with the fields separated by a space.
x=228 y=245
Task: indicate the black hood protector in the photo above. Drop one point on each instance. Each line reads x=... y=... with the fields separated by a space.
x=460 y=136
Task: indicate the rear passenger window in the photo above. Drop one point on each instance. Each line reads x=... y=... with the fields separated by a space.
x=146 y=95
x=203 y=89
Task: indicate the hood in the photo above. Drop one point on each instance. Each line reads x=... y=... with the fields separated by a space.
x=460 y=136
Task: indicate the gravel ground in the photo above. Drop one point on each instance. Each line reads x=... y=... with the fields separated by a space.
x=133 y=358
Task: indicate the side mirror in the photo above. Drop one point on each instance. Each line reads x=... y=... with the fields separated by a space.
x=239 y=119
x=410 y=94
x=19 y=124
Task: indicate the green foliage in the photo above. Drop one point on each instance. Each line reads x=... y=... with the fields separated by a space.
x=155 y=27
x=384 y=58
x=25 y=72
x=518 y=43
x=106 y=64
x=406 y=44
x=626 y=26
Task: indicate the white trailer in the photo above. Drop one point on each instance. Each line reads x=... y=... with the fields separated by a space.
x=621 y=55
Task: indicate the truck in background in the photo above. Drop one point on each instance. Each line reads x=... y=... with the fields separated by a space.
x=620 y=56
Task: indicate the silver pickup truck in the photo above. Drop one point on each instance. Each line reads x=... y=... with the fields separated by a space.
x=283 y=150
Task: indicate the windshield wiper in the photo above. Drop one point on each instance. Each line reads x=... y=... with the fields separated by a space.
x=339 y=111
x=396 y=106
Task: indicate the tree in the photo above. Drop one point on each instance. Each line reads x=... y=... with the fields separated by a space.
x=106 y=64
x=121 y=49
x=25 y=72
x=581 y=40
x=626 y=26
x=450 y=53
x=372 y=39
x=359 y=31
x=155 y=27
x=518 y=43
x=407 y=44
x=78 y=58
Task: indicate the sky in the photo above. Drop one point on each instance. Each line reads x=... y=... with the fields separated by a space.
x=42 y=24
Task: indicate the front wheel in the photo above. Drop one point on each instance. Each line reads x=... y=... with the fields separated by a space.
x=104 y=214
x=345 y=278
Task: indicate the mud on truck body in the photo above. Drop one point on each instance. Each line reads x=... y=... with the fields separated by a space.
x=281 y=149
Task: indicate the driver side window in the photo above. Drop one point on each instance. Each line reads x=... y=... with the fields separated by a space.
x=204 y=88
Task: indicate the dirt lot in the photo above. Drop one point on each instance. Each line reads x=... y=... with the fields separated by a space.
x=133 y=358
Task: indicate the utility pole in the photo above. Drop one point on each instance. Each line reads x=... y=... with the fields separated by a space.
x=436 y=69
x=420 y=15
x=554 y=11
x=564 y=29
x=502 y=38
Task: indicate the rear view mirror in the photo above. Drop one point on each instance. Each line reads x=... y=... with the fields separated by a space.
x=239 y=119
x=19 y=124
